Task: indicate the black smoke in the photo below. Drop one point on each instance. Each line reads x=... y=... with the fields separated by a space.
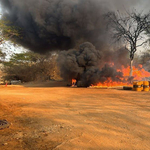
x=87 y=66
x=60 y=24
x=49 y=25
x=56 y=24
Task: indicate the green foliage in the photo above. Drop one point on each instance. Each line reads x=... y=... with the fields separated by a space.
x=29 y=66
x=22 y=57
x=2 y=56
x=8 y=31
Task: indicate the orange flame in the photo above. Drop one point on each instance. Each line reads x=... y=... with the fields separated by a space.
x=138 y=73
x=74 y=82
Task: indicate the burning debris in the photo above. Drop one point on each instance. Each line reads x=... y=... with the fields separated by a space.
x=80 y=64
x=74 y=83
x=83 y=66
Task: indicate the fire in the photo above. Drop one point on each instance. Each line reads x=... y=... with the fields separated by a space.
x=110 y=83
x=74 y=82
x=138 y=74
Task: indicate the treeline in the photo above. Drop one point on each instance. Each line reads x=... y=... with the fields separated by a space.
x=30 y=66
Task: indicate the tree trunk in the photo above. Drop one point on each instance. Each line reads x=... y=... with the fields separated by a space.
x=131 y=67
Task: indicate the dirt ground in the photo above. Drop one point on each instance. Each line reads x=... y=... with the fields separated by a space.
x=62 y=118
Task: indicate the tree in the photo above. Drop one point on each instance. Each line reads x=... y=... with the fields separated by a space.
x=131 y=28
x=29 y=66
x=2 y=56
x=8 y=31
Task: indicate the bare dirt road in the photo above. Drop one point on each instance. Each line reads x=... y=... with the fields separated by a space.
x=63 y=118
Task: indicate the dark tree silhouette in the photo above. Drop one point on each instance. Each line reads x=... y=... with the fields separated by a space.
x=131 y=28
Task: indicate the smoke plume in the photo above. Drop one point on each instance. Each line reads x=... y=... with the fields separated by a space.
x=86 y=65
x=50 y=25
x=60 y=24
x=55 y=24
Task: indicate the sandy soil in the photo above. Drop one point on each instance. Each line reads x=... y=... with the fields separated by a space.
x=63 y=118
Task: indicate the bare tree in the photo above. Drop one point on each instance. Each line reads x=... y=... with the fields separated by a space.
x=131 y=28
